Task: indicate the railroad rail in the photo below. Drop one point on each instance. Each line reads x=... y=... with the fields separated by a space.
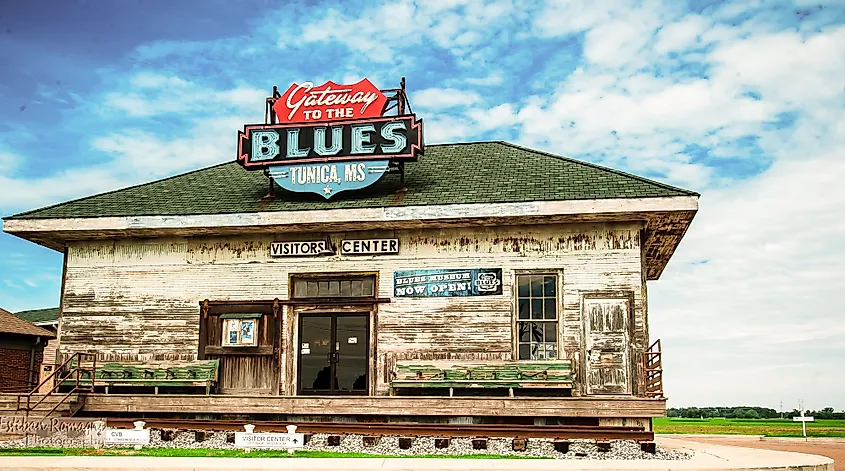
x=405 y=429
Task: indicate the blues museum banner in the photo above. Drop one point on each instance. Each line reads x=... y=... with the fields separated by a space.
x=447 y=282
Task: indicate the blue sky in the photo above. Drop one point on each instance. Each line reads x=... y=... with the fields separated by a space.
x=742 y=101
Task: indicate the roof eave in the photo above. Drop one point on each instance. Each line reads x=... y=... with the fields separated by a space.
x=47 y=335
x=666 y=221
x=43 y=323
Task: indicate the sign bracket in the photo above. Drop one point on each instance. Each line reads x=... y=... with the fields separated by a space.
x=398 y=167
x=271 y=190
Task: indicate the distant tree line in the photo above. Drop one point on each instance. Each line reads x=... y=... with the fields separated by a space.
x=750 y=412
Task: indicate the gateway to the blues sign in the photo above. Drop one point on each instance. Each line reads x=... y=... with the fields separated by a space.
x=330 y=138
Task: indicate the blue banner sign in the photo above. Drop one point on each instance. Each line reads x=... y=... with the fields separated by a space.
x=447 y=282
x=329 y=178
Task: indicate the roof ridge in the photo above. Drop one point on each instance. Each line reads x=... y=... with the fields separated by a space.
x=466 y=143
x=226 y=187
x=600 y=167
x=139 y=185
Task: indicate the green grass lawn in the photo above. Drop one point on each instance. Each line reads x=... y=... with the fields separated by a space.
x=209 y=453
x=765 y=427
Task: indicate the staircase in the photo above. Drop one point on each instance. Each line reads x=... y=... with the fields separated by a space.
x=52 y=403
x=653 y=370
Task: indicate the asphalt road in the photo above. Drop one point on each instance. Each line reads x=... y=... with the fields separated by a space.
x=833 y=448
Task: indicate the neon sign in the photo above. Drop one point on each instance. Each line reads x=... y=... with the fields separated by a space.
x=330 y=138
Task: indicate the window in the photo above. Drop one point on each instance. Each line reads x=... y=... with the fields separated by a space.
x=537 y=319
x=360 y=287
x=240 y=330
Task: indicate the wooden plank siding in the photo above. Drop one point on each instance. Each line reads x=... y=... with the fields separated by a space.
x=139 y=298
x=610 y=407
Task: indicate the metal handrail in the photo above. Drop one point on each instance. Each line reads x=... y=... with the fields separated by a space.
x=78 y=356
x=653 y=370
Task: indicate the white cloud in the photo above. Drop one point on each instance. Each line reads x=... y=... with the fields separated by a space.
x=209 y=120
x=495 y=78
x=137 y=106
x=496 y=117
x=617 y=42
x=766 y=294
x=150 y=94
x=563 y=17
x=19 y=193
x=153 y=80
x=442 y=98
x=8 y=162
x=445 y=129
x=375 y=33
x=682 y=35
x=785 y=67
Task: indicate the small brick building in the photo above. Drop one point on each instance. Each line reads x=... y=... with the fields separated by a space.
x=47 y=319
x=21 y=352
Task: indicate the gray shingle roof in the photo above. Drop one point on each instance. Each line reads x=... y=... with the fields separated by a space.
x=482 y=172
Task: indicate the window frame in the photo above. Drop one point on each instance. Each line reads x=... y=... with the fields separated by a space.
x=329 y=278
x=225 y=330
x=557 y=321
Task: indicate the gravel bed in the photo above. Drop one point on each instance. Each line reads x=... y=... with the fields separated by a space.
x=389 y=445
x=578 y=449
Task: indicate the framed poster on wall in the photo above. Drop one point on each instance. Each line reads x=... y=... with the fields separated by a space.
x=240 y=332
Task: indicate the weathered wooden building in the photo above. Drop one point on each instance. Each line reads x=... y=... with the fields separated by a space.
x=495 y=281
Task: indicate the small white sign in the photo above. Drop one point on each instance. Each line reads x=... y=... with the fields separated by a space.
x=284 y=441
x=118 y=436
x=310 y=248
x=369 y=247
x=306 y=351
x=803 y=419
x=352 y=340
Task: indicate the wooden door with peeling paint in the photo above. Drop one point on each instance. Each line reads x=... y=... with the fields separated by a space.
x=606 y=328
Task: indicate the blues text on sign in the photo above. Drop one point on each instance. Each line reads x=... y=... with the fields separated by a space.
x=392 y=138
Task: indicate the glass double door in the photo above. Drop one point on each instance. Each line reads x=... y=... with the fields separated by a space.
x=333 y=353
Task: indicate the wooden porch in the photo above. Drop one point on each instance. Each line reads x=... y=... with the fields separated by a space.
x=599 y=407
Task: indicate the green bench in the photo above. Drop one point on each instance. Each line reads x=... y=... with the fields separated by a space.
x=194 y=373
x=474 y=374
